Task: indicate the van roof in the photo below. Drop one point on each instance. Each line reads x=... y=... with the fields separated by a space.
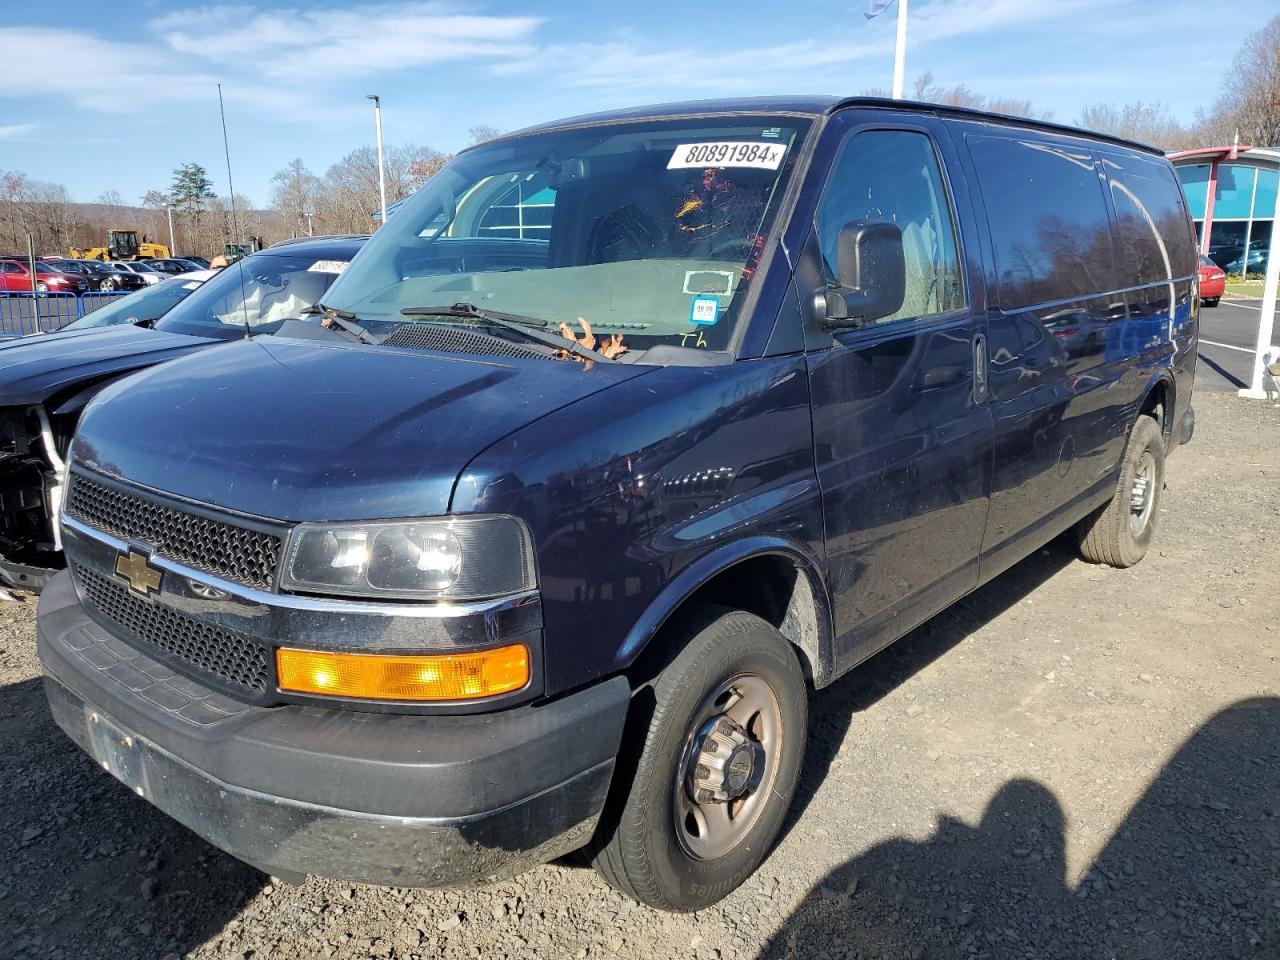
x=342 y=246
x=817 y=105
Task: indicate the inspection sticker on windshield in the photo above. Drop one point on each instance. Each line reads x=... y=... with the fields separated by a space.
x=328 y=266
x=717 y=153
x=704 y=311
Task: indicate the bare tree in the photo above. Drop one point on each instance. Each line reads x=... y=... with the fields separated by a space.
x=1250 y=98
x=41 y=210
x=1145 y=122
x=482 y=133
x=927 y=90
x=293 y=194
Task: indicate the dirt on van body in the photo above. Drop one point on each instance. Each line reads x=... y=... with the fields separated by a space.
x=1073 y=762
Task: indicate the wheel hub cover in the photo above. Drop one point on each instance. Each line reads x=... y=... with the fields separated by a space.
x=725 y=762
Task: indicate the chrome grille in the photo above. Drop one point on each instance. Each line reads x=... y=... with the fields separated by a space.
x=235 y=659
x=222 y=549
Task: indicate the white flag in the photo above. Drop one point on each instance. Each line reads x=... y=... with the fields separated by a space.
x=877 y=7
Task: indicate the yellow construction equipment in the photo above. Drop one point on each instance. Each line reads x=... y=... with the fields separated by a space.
x=123 y=245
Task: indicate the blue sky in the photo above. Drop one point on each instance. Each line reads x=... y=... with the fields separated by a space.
x=112 y=96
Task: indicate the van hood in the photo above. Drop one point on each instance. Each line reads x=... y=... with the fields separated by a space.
x=299 y=430
x=33 y=369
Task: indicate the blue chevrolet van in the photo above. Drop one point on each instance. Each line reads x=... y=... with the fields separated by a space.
x=624 y=436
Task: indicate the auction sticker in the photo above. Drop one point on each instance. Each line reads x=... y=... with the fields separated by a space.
x=704 y=311
x=328 y=266
x=726 y=153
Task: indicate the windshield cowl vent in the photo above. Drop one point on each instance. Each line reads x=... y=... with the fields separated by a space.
x=457 y=339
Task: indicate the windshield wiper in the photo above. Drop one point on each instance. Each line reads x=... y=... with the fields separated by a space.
x=471 y=311
x=343 y=318
x=531 y=328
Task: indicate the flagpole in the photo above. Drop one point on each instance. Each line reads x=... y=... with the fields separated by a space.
x=900 y=52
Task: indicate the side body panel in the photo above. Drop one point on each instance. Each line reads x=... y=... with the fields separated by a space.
x=660 y=481
x=1070 y=370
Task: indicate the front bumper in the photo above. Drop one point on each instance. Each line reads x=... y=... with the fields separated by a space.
x=23 y=576
x=374 y=798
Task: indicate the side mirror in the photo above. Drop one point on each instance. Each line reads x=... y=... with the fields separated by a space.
x=871 y=271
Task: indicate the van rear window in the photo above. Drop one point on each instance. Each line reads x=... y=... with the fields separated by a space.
x=1155 y=233
x=1050 y=229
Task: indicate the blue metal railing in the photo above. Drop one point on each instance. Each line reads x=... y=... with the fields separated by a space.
x=23 y=312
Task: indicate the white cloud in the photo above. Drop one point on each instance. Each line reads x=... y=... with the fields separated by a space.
x=102 y=75
x=622 y=65
x=632 y=63
x=321 y=46
x=15 y=130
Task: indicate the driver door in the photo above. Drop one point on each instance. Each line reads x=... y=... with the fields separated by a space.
x=902 y=431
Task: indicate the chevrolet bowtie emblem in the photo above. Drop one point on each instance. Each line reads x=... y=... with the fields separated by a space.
x=134 y=567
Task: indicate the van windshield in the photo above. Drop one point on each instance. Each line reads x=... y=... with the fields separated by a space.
x=651 y=230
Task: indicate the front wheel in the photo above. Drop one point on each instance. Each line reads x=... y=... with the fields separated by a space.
x=107 y=286
x=718 y=761
x=1120 y=533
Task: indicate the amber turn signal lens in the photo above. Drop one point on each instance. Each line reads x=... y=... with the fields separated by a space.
x=367 y=676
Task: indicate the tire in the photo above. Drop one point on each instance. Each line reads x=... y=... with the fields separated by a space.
x=1120 y=533
x=107 y=286
x=1213 y=302
x=42 y=287
x=651 y=845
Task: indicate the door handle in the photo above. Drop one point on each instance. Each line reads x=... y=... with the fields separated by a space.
x=980 y=385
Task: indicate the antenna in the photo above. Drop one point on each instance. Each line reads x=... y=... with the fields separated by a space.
x=235 y=224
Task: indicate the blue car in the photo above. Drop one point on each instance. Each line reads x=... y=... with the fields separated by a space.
x=46 y=381
x=624 y=435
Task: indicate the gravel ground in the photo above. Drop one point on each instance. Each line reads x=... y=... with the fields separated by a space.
x=1073 y=762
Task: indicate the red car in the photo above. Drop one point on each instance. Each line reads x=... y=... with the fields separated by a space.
x=15 y=275
x=1213 y=282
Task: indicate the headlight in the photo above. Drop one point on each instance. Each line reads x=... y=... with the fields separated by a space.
x=456 y=558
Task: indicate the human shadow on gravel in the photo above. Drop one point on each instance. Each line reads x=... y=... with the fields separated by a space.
x=1192 y=872
x=90 y=870
x=833 y=710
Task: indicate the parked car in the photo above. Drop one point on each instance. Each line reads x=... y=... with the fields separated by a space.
x=15 y=276
x=174 y=266
x=144 y=306
x=545 y=539
x=100 y=276
x=148 y=274
x=199 y=261
x=46 y=381
x=1256 y=262
x=1213 y=282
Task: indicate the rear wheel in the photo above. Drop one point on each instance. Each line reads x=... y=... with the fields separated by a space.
x=1211 y=302
x=718 y=760
x=1120 y=533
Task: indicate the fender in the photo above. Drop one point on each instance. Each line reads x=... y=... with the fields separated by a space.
x=707 y=567
x=1162 y=375
x=78 y=401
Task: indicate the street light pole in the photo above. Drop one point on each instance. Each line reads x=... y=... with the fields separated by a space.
x=900 y=51
x=173 y=247
x=382 y=170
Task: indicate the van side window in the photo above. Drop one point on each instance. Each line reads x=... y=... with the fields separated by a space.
x=1153 y=226
x=894 y=175
x=1050 y=229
